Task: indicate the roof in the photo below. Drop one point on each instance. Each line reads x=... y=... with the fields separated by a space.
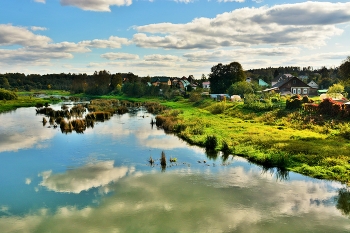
x=281 y=77
x=160 y=79
x=263 y=83
x=185 y=83
x=286 y=80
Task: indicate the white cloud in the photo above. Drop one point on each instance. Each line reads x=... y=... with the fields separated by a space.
x=38 y=49
x=40 y=1
x=95 y=5
x=112 y=42
x=12 y=35
x=185 y=1
x=159 y=57
x=218 y=55
x=120 y=56
x=308 y=24
x=231 y=0
x=34 y=28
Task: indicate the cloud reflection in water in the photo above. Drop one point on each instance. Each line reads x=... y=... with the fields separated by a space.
x=235 y=200
x=84 y=178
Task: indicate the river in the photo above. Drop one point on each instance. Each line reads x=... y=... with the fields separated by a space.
x=101 y=181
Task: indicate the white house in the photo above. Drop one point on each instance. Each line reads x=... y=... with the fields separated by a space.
x=313 y=84
x=206 y=84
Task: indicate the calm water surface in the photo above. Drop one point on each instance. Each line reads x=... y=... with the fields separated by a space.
x=101 y=181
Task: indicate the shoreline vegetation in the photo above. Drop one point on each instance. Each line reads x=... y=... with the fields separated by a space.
x=289 y=140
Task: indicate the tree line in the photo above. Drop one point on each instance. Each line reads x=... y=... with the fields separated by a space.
x=229 y=78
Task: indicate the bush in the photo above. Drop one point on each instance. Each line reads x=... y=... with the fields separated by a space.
x=217 y=108
x=294 y=102
x=7 y=95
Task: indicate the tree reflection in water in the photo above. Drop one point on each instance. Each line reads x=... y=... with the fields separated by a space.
x=343 y=201
x=281 y=174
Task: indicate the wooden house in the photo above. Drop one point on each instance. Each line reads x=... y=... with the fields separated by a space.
x=157 y=81
x=291 y=86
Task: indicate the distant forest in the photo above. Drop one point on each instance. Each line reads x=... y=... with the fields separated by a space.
x=103 y=82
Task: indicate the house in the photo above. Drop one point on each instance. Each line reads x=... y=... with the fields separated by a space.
x=220 y=97
x=313 y=84
x=183 y=83
x=291 y=85
x=280 y=77
x=206 y=84
x=157 y=81
x=194 y=86
x=248 y=80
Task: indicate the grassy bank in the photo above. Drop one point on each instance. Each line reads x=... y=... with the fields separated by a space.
x=22 y=101
x=291 y=141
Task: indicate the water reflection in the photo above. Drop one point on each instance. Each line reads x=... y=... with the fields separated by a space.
x=280 y=173
x=111 y=186
x=235 y=200
x=84 y=178
x=19 y=131
x=343 y=201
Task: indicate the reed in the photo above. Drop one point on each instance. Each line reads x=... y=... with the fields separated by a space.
x=66 y=127
x=79 y=125
x=122 y=109
x=44 y=121
x=163 y=159
x=52 y=120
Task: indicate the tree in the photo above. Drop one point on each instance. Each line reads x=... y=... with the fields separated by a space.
x=116 y=80
x=335 y=89
x=344 y=69
x=5 y=83
x=223 y=76
x=240 y=88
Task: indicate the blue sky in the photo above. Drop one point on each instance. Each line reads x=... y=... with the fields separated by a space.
x=170 y=37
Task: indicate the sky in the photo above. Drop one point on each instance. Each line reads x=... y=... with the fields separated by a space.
x=170 y=37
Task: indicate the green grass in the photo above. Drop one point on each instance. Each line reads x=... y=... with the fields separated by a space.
x=22 y=101
x=272 y=139
x=288 y=140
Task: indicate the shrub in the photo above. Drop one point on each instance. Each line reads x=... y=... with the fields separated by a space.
x=217 y=108
x=195 y=97
x=7 y=95
x=294 y=102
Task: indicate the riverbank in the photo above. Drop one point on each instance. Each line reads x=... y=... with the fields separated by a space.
x=288 y=140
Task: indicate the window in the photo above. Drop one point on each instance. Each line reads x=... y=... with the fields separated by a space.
x=294 y=81
x=299 y=91
x=294 y=91
x=305 y=91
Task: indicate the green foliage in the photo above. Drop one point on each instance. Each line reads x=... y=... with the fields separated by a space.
x=344 y=69
x=7 y=95
x=335 y=89
x=240 y=88
x=223 y=76
x=255 y=103
x=294 y=102
x=217 y=108
x=195 y=96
